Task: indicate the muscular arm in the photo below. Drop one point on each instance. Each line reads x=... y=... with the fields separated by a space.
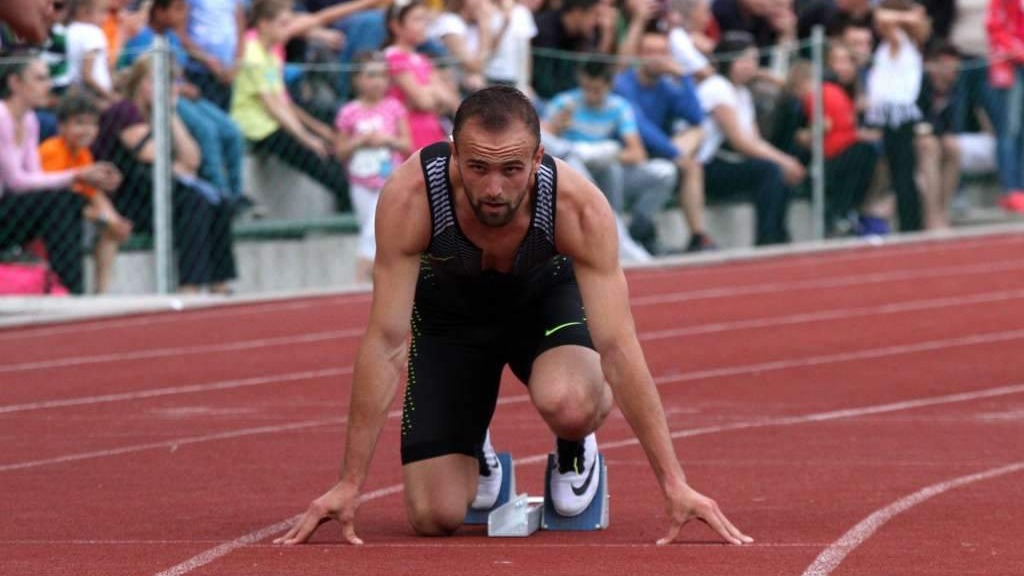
x=381 y=356
x=586 y=233
x=588 y=237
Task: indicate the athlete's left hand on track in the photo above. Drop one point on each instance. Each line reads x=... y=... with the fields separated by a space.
x=339 y=503
x=687 y=504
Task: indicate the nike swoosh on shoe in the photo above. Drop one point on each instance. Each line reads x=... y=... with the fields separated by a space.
x=586 y=483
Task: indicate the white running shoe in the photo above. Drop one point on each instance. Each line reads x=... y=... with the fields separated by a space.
x=573 y=478
x=489 y=485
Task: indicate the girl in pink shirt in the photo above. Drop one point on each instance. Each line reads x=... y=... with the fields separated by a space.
x=374 y=140
x=415 y=83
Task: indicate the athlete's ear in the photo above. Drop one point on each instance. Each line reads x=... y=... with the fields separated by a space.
x=451 y=144
x=538 y=157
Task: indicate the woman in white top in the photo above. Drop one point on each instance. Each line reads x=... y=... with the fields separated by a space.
x=751 y=165
x=894 y=83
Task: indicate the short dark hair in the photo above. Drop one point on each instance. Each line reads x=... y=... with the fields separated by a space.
x=597 y=69
x=496 y=107
x=162 y=4
x=570 y=5
x=729 y=49
x=942 y=48
x=76 y=104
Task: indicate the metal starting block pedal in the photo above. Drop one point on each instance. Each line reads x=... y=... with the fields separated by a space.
x=594 y=517
x=507 y=491
x=519 y=517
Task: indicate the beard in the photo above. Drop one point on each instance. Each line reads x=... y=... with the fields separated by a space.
x=495 y=214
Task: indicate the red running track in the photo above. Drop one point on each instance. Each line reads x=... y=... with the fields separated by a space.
x=857 y=412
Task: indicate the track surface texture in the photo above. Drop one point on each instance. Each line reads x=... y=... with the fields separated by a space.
x=856 y=412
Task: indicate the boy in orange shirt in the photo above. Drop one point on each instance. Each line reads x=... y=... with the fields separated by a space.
x=78 y=119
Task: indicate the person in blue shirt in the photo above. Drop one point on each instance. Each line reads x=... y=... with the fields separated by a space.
x=668 y=116
x=596 y=132
x=221 y=144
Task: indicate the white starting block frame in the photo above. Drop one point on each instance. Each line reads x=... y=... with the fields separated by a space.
x=522 y=515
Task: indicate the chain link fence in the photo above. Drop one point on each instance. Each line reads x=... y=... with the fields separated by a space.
x=179 y=179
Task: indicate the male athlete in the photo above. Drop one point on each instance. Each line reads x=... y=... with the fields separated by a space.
x=489 y=251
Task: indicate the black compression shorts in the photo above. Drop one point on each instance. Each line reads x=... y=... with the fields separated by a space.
x=459 y=349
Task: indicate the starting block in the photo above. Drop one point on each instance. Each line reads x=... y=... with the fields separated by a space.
x=522 y=515
x=507 y=491
x=594 y=517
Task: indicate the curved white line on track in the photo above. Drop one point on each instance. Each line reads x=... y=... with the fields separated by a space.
x=179 y=351
x=228 y=547
x=832 y=556
x=172 y=390
x=830 y=282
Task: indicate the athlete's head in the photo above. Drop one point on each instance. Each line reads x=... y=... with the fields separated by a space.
x=496 y=149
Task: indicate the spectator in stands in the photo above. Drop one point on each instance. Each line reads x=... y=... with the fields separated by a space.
x=850 y=152
x=221 y=144
x=690 y=39
x=201 y=220
x=599 y=129
x=426 y=94
x=268 y=118
x=510 y=62
x=573 y=27
x=374 y=140
x=212 y=34
x=466 y=31
x=69 y=149
x=668 y=115
x=1005 y=25
x=29 y=19
x=34 y=203
x=88 y=59
x=767 y=21
x=749 y=165
x=893 y=87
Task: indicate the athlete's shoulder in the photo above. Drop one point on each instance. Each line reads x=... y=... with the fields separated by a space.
x=403 y=211
x=584 y=220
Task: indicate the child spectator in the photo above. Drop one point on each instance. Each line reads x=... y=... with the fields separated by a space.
x=893 y=87
x=34 y=203
x=374 y=139
x=415 y=83
x=266 y=115
x=88 y=53
x=78 y=120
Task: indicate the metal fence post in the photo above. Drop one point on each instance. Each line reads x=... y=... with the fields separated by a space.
x=818 y=132
x=163 y=232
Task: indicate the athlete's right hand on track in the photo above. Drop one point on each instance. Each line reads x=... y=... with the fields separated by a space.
x=339 y=503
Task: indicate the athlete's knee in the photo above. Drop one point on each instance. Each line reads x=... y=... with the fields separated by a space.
x=431 y=519
x=574 y=411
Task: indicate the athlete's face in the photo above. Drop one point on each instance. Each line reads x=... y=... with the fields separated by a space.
x=497 y=169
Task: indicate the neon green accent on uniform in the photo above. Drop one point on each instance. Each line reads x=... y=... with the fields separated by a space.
x=559 y=327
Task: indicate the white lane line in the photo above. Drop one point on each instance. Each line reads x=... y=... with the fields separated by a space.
x=784 y=364
x=174 y=444
x=179 y=351
x=926 y=346
x=829 y=282
x=150 y=319
x=228 y=547
x=172 y=390
x=832 y=556
x=836 y=314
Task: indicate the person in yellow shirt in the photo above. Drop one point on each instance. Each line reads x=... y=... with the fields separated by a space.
x=78 y=119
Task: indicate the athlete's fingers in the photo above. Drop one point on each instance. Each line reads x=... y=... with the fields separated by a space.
x=733 y=529
x=716 y=524
x=673 y=533
x=289 y=534
x=306 y=527
x=349 y=531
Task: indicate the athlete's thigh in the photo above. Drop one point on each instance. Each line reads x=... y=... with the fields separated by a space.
x=454 y=374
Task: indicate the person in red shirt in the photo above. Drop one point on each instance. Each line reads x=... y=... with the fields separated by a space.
x=78 y=119
x=1005 y=25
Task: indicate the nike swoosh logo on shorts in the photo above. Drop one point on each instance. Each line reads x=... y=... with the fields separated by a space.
x=559 y=327
x=583 y=487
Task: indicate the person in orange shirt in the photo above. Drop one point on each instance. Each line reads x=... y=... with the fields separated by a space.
x=78 y=118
